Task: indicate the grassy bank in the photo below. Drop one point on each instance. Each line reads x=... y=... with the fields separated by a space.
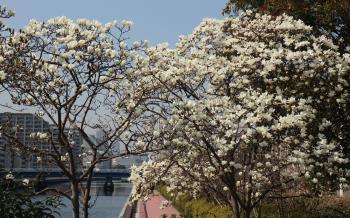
x=191 y=208
x=325 y=207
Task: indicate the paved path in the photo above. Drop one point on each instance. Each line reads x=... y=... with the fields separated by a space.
x=151 y=208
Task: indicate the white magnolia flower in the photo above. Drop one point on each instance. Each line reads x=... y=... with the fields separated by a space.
x=2 y=75
x=25 y=182
x=127 y=23
x=122 y=45
x=9 y=176
x=164 y=204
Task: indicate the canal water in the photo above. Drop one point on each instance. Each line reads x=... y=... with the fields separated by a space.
x=107 y=204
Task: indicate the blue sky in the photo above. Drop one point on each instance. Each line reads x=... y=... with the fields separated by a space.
x=154 y=20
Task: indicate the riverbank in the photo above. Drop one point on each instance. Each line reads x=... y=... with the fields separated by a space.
x=106 y=204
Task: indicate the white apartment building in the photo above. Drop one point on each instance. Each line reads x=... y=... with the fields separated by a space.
x=29 y=123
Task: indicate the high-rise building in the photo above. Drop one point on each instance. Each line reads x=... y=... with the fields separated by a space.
x=27 y=124
x=100 y=137
x=75 y=139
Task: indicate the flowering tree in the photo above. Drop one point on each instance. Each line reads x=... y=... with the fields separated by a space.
x=249 y=104
x=82 y=77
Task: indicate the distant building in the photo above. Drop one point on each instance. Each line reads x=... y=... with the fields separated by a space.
x=97 y=139
x=128 y=161
x=100 y=138
x=30 y=123
x=115 y=163
x=76 y=137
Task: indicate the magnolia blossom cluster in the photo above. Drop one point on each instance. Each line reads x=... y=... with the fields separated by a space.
x=39 y=135
x=164 y=204
x=9 y=176
x=61 y=57
x=250 y=103
x=77 y=67
x=4 y=33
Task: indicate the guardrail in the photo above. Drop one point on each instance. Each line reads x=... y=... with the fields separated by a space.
x=48 y=170
x=128 y=209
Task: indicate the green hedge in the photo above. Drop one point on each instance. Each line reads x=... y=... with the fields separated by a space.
x=326 y=207
x=193 y=208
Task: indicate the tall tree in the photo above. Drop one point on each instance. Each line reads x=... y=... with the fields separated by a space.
x=244 y=122
x=82 y=77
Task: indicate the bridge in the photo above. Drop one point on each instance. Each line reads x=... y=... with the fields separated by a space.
x=58 y=175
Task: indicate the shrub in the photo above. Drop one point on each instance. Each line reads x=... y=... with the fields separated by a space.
x=16 y=200
x=304 y=207
x=193 y=208
x=301 y=207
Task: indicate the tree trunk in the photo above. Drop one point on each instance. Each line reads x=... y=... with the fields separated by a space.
x=259 y=210
x=246 y=212
x=235 y=208
x=87 y=195
x=235 y=213
x=86 y=206
x=281 y=208
x=75 y=199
